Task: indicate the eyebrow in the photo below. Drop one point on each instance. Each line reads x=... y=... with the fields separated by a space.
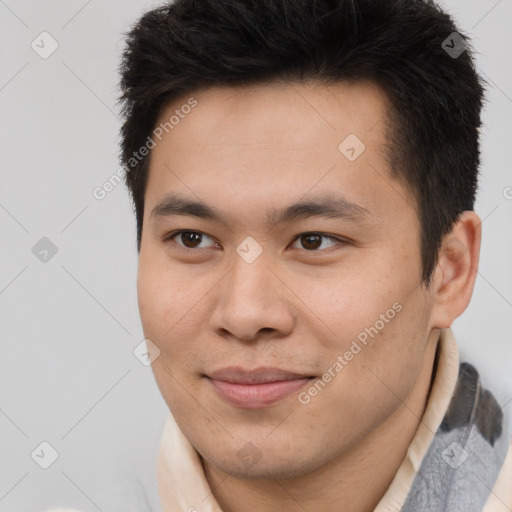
x=328 y=206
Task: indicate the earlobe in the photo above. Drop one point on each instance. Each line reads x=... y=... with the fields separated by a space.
x=456 y=271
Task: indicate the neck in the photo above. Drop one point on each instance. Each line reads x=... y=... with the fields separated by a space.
x=356 y=481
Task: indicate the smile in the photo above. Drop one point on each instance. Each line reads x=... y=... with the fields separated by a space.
x=258 y=388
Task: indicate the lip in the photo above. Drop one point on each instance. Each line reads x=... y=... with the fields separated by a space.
x=256 y=388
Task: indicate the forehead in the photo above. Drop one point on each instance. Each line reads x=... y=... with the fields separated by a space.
x=253 y=145
x=269 y=113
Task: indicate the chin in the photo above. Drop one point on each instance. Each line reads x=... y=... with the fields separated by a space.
x=264 y=460
x=264 y=469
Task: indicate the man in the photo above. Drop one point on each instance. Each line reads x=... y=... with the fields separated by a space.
x=303 y=175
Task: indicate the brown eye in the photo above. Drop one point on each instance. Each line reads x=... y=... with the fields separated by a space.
x=313 y=241
x=188 y=239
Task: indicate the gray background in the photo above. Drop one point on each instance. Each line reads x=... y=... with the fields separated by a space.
x=69 y=325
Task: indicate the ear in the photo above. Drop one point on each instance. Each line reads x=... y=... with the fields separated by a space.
x=455 y=274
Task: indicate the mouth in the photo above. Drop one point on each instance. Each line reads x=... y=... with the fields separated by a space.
x=256 y=388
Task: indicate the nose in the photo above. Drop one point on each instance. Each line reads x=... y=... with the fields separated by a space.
x=252 y=302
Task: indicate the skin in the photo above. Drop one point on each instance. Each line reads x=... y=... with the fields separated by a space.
x=247 y=150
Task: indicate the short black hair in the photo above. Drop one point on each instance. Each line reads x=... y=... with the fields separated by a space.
x=410 y=48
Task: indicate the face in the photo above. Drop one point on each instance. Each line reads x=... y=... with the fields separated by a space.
x=288 y=303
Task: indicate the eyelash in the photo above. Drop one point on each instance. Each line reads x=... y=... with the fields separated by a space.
x=171 y=236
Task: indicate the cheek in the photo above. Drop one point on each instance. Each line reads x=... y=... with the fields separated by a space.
x=393 y=354
x=349 y=307
x=375 y=320
x=167 y=312
x=172 y=310
x=166 y=299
